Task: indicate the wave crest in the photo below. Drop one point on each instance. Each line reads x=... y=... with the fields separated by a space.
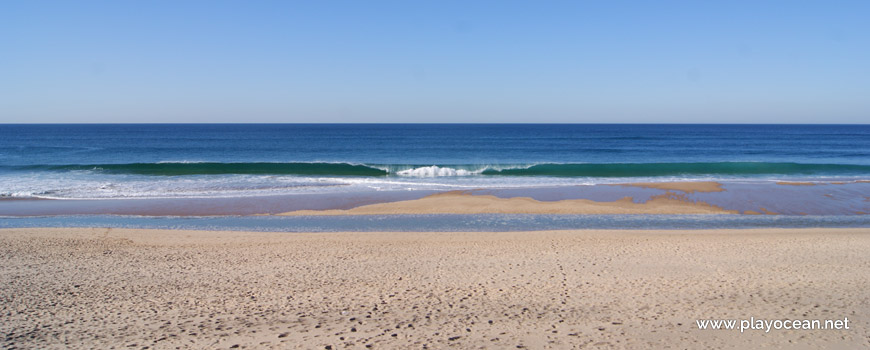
x=436 y=171
x=410 y=170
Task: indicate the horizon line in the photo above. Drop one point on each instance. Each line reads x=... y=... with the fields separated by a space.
x=410 y=123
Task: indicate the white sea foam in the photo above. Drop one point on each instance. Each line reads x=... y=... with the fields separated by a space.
x=181 y=162
x=436 y=171
x=80 y=186
x=92 y=185
x=458 y=170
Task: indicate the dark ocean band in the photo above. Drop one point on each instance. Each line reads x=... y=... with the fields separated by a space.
x=176 y=169
x=671 y=169
x=559 y=170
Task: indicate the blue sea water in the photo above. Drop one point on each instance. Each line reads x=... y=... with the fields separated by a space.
x=102 y=161
x=72 y=175
x=428 y=144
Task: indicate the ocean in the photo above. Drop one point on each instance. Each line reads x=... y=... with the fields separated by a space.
x=166 y=170
x=100 y=161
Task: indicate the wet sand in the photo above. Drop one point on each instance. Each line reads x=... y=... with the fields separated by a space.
x=794 y=183
x=668 y=198
x=108 y=288
x=687 y=187
x=708 y=197
x=459 y=202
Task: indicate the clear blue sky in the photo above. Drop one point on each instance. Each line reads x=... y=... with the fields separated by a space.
x=435 y=61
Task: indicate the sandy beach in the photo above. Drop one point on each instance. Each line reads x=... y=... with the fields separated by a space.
x=460 y=202
x=651 y=198
x=677 y=198
x=152 y=289
x=434 y=175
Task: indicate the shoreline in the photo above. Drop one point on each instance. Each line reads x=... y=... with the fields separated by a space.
x=87 y=288
x=462 y=202
x=675 y=197
x=444 y=222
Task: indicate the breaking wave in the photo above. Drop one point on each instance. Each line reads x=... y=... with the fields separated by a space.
x=408 y=170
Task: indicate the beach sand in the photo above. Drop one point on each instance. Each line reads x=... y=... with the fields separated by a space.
x=137 y=289
x=684 y=186
x=460 y=202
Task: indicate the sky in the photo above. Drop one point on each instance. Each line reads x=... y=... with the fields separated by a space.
x=435 y=61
